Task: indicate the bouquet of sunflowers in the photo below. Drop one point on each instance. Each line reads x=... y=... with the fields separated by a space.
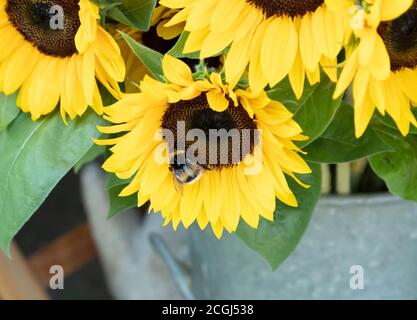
x=211 y=112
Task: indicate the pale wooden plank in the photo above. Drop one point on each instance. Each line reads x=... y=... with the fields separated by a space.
x=17 y=280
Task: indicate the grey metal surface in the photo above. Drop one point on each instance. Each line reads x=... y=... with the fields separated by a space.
x=378 y=233
x=181 y=275
x=132 y=267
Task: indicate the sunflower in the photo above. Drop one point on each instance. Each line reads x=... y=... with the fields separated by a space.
x=275 y=37
x=233 y=179
x=52 y=63
x=381 y=60
x=158 y=38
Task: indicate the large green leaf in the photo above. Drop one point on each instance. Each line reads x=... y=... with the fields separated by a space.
x=339 y=144
x=34 y=158
x=134 y=13
x=8 y=110
x=151 y=59
x=277 y=240
x=387 y=120
x=118 y=204
x=93 y=153
x=314 y=110
x=399 y=168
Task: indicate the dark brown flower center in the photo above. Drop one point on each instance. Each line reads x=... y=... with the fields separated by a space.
x=290 y=8
x=229 y=136
x=400 y=38
x=49 y=25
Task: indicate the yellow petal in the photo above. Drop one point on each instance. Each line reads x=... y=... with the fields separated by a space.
x=217 y=101
x=392 y=9
x=176 y=71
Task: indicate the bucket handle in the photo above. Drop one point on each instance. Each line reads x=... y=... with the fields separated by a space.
x=180 y=273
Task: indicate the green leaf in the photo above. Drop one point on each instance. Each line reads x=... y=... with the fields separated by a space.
x=93 y=153
x=387 y=120
x=151 y=59
x=8 y=110
x=277 y=240
x=339 y=143
x=118 y=204
x=133 y=13
x=399 y=168
x=315 y=109
x=34 y=158
x=178 y=49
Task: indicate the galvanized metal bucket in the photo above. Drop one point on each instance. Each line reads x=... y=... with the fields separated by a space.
x=376 y=234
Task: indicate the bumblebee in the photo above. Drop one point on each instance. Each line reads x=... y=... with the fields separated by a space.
x=185 y=171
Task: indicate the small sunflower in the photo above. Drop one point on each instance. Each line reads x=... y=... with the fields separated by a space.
x=52 y=63
x=245 y=185
x=381 y=60
x=158 y=38
x=275 y=37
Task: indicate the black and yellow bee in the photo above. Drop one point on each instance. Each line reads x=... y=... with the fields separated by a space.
x=185 y=171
